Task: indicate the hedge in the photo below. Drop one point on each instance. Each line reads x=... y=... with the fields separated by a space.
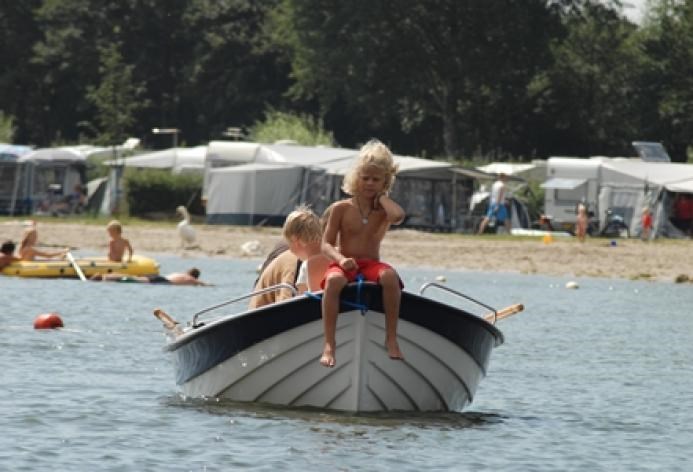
x=159 y=191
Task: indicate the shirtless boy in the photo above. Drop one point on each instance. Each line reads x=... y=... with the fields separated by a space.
x=360 y=223
x=118 y=244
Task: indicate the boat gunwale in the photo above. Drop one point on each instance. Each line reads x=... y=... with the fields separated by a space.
x=189 y=334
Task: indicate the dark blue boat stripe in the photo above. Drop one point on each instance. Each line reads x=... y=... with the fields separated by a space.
x=425 y=379
x=382 y=404
x=243 y=377
x=409 y=340
x=398 y=386
x=333 y=372
x=445 y=366
x=288 y=374
x=336 y=397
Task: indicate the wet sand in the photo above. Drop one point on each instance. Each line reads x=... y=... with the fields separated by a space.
x=666 y=260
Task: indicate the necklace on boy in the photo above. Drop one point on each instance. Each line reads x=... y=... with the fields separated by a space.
x=364 y=218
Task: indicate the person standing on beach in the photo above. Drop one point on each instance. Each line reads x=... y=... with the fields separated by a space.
x=646 y=223
x=118 y=244
x=497 y=209
x=581 y=222
x=359 y=224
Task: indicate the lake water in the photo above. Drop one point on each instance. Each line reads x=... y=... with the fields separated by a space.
x=599 y=378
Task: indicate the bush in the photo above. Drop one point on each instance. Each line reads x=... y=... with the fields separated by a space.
x=6 y=128
x=159 y=191
x=303 y=129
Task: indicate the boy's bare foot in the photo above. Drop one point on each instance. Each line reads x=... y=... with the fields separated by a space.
x=327 y=358
x=393 y=349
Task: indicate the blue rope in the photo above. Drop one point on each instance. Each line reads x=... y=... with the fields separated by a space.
x=357 y=304
x=360 y=306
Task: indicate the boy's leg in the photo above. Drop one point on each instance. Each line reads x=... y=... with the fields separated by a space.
x=330 y=309
x=392 y=292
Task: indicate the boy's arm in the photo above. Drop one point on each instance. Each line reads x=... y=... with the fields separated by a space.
x=393 y=212
x=49 y=254
x=128 y=247
x=329 y=237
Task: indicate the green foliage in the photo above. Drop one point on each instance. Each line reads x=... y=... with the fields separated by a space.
x=498 y=79
x=158 y=191
x=116 y=97
x=534 y=199
x=303 y=129
x=587 y=97
x=6 y=128
x=455 y=69
x=668 y=40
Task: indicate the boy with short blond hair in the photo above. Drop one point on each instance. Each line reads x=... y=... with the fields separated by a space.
x=360 y=223
x=303 y=232
x=299 y=230
x=118 y=244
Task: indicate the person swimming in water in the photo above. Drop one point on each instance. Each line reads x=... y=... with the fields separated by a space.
x=191 y=277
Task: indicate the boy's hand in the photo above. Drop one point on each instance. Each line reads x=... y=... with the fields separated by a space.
x=348 y=264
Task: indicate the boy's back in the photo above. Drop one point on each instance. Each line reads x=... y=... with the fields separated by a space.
x=116 y=248
x=118 y=244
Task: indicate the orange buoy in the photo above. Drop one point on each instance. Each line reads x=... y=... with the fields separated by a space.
x=48 y=321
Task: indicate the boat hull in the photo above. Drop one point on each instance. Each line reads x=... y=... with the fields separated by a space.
x=139 y=265
x=271 y=355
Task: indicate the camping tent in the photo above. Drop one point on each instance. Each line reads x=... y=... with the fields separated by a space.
x=10 y=173
x=622 y=185
x=268 y=181
x=178 y=159
x=46 y=176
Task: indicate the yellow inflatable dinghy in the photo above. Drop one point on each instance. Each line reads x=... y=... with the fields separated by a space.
x=139 y=265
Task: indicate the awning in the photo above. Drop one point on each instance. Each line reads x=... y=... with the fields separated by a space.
x=559 y=183
x=481 y=175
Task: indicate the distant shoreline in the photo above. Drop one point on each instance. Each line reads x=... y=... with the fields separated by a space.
x=663 y=260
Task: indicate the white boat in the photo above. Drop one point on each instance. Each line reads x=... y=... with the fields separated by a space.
x=271 y=354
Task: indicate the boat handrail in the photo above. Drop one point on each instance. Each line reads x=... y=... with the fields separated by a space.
x=459 y=294
x=273 y=288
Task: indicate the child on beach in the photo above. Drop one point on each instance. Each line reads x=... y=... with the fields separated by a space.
x=646 y=223
x=28 y=251
x=118 y=244
x=360 y=223
x=581 y=223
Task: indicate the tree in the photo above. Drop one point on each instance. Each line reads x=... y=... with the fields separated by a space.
x=463 y=64
x=668 y=44
x=18 y=77
x=233 y=73
x=303 y=129
x=6 y=128
x=588 y=100
x=116 y=97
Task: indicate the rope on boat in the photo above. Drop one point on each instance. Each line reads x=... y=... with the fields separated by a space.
x=362 y=307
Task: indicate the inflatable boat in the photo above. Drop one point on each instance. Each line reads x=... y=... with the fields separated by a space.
x=140 y=265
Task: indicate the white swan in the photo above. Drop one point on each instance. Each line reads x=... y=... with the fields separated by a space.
x=185 y=229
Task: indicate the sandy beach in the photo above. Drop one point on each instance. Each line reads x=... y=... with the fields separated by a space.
x=665 y=260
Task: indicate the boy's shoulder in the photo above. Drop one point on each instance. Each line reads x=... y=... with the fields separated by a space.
x=342 y=203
